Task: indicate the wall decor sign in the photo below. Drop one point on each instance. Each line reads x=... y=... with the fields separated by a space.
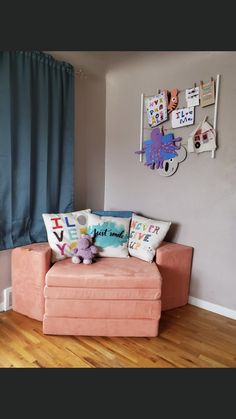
x=203 y=138
x=207 y=93
x=182 y=117
x=192 y=96
x=156 y=107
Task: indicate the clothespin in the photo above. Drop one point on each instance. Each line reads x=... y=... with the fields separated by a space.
x=195 y=85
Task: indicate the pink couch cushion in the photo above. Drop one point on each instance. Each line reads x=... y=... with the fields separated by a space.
x=99 y=327
x=105 y=273
x=102 y=309
x=102 y=293
x=29 y=265
x=174 y=261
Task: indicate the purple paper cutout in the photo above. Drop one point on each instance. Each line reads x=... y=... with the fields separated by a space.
x=160 y=148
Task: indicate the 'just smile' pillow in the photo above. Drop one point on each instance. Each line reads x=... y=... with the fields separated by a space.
x=111 y=235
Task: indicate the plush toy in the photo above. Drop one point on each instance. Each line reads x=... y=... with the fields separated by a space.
x=85 y=250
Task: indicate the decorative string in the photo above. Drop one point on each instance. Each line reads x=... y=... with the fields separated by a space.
x=179 y=90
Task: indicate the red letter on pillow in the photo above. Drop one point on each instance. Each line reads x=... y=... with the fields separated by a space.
x=56 y=223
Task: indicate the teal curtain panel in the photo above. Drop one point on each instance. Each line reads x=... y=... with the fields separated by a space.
x=36 y=144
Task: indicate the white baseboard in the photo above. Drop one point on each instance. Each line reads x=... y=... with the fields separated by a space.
x=227 y=312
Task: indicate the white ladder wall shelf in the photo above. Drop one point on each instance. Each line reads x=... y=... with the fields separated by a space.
x=216 y=108
x=142 y=116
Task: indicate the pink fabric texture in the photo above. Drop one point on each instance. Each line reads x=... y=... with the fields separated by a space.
x=111 y=297
x=103 y=309
x=105 y=273
x=99 y=327
x=103 y=293
x=109 y=288
x=29 y=265
x=174 y=262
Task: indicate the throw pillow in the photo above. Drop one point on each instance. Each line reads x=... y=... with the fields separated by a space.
x=146 y=236
x=111 y=235
x=64 y=230
x=121 y=214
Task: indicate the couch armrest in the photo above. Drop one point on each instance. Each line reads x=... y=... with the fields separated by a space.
x=29 y=265
x=174 y=262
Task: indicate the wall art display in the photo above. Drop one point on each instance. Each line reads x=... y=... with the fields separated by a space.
x=159 y=149
x=173 y=100
x=182 y=117
x=192 y=96
x=156 y=107
x=207 y=93
x=203 y=138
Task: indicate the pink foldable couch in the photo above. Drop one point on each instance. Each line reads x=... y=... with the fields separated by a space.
x=111 y=297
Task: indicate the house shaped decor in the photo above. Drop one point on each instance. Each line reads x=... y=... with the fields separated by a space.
x=203 y=138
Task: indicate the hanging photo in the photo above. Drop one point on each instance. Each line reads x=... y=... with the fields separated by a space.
x=182 y=117
x=156 y=107
x=207 y=93
x=192 y=96
x=203 y=138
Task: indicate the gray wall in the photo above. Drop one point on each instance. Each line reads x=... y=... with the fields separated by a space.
x=200 y=198
x=90 y=142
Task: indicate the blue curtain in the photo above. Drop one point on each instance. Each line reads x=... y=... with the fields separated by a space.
x=36 y=144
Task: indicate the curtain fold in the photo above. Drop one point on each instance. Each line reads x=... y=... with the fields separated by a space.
x=36 y=144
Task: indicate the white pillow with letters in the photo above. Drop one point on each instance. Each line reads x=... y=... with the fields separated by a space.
x=146 y=236
x=64 y=231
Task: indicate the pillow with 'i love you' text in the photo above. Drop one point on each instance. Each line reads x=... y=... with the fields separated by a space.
x=145 y=236
x=64 y=231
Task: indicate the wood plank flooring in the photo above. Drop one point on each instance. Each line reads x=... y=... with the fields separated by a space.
x=189 y=337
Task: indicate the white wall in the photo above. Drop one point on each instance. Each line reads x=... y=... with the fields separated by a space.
x=200 y=198
x=5 y=271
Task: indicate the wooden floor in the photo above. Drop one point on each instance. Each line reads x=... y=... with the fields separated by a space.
x=189 y=337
